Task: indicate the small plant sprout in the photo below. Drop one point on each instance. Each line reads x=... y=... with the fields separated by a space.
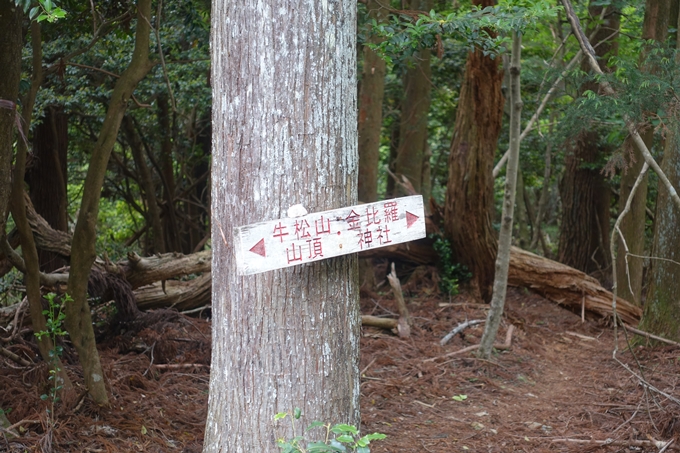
x=54 y=329
x=459 y=398
x=338 y=438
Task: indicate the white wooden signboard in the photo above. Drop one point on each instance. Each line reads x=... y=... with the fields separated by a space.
x=288 y=242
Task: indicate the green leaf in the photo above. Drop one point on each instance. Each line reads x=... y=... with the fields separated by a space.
x=315 y=425
x=459 y=397
x=342 y=428
x=280 y=415
x=42 y=17
x=297 y=413
x=375 y=436
x=345 y=439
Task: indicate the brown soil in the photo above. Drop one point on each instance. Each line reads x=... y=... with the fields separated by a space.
x=557 y=384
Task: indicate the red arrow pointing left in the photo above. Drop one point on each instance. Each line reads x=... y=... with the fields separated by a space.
x=259 y=248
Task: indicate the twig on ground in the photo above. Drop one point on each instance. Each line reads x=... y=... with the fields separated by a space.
x=194 y=310
x=367 y=366
x=23 y=422
x=649 y=335
x=618 y=443
x=506 y=345
x=459 y=328
x=10 y=355
x=179 y=366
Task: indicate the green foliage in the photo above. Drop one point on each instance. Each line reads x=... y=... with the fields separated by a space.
x=450 y=272
x=338 y=438
x=483 y=28
x=45 y=10
x=54 y=330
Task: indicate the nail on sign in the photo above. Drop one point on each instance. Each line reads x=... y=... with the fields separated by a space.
x=288 y=242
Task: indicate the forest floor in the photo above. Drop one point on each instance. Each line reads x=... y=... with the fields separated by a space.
x=557 y=388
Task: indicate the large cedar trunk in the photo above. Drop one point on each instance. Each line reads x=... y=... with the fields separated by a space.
x=584 y=190
x=629 y=271
x=469 y=190
x=285 y=132
x=414 y=113
x=371 y=96
x=46 y=178
x=584 y=232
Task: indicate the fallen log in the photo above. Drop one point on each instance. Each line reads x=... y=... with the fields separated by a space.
x=145 y=271
x=567 y=286
x=182 y=295
x=555 y=281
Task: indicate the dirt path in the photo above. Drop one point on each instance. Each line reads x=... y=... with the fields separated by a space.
x=558 y=381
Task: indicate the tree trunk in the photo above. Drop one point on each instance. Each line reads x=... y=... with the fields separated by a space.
x=629 y=269
x=469 y=191
x=500 y=283
x=584 y=232
x=78 y=319
x=414 y=110
x=662 y=308
x=285 y=132
x=10 y=62
x=46 y=177
x=370 y=111
x=171 y=226
x=155 y=242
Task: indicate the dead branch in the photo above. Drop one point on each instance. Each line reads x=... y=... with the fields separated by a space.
x=618 y=443
x=459 y=328
x=500 y=347
x=10 y=355
x=404 y=324
x=383 y=323
x=652 y=336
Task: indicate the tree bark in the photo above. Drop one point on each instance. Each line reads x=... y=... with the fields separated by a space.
x=585 y=194
x=285 y=132
x=370 y=111
x=469 y=190
x=46 y=177
x=662 y=307
x=78 y=319
x=629 y=269
x=10 y=62
x=414 y=112
x=500 y=283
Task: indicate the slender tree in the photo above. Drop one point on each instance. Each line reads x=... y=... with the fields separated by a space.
x=78 y=318
x=500 y=284
x=285 y=132
x=469 y=190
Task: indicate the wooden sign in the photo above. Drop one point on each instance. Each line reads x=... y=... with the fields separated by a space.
x=288 y=242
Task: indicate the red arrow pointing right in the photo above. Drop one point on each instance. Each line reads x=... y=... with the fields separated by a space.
x=410 y=219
